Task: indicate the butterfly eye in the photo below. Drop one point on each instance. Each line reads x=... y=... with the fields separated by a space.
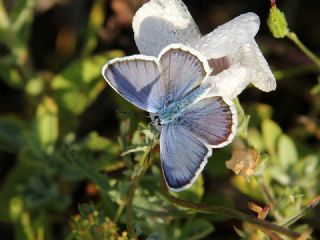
x=157 y=122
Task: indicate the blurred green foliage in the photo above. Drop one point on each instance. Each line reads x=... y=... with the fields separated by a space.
x=52 y=165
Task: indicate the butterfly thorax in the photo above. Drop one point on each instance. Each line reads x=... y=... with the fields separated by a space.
x=172 y=111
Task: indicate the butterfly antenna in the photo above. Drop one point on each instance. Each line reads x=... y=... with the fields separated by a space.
x=130 y=113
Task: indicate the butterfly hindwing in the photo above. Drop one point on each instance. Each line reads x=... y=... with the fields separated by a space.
x=186 y=143
x=183 y=156
x=212 y=119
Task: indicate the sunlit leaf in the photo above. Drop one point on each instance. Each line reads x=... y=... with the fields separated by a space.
x=35 y=86
x=243 y=120
x=316 y=88
x=255 y=139
x=4 y=20
x=22 y=13
x=11 y=75
x=250 y=188
x=96 y=19
x=270 y=134
x=11 y=187
x=80 y=83
x=134 y=149
x=278 y=174
x=47 y=124
x=264 y=111
x=287 y=151
x=95 y=142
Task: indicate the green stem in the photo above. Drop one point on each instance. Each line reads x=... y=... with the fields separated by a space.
x=270 y=200
x=294 y=38
x=130 y=195
x=296 y=71
x=212 y=209
x=118 y=212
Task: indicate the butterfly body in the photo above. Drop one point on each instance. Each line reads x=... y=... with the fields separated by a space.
x=175 y=109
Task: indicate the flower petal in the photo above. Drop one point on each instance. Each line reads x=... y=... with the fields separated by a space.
x=249 y=55
x=230 y=82
x=159 y=23
x=227 y=38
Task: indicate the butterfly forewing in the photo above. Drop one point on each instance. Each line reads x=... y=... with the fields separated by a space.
x=137 y=80
x=182 y=70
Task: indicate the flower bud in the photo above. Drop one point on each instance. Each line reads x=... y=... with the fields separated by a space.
x=277 y=23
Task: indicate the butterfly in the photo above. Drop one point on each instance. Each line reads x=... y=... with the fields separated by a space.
x=175 y=89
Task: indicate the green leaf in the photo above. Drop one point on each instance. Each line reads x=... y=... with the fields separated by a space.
x=10 y=135
x=242 y=130
x=47 y=128
x=270 y=134
x=21 y=14
x=35 y=86
x=4 y=20
x=278 y=174
x=316 y=89
x=255 y=139
x=250 y=188
x=311 y=162
x=134 y=149
x=196 y=229
x=95 y=23
x=95 y=142
x=88 y=169
x=243 y=120
x=287 y=152
x=103 y=150
x=11 y=188
x=80 y=83
x=264 y=111
x=11 y=75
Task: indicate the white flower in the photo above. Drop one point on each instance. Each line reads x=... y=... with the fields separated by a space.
x=230 y=49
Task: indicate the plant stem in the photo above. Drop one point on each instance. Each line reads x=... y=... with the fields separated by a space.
x=212 y=209
x=119 y=212
x=270 y=200
x=294 y=38
x=295 y=71
x=130 y=195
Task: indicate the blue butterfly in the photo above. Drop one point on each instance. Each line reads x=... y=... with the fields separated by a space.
x=174 y=88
